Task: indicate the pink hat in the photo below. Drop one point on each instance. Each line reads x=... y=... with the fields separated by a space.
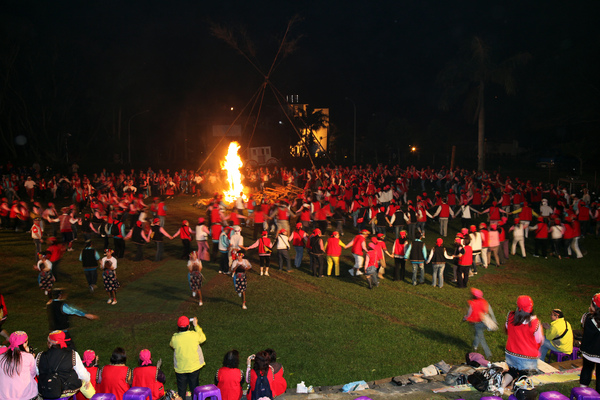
x=145 y=357
x=88 y=357
x=478 y=294
x=16 y=339
x=525 y=303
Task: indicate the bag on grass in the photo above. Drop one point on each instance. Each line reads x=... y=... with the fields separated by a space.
x=486 y=379
x=458 y=375
x=476 y=360
x=354 y=386
x=523 y=389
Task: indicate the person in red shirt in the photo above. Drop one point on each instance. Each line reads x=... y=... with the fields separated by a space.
x=148 y=375
x=478 y=306
x=524 y=338
x=117 y=377
x=90 y=362
x=333 y=250
x=229 y=377
x=279 y=383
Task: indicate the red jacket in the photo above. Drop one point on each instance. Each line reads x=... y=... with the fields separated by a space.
x=114 y=380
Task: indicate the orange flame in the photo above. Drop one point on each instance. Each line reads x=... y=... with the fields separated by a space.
x=232 y=165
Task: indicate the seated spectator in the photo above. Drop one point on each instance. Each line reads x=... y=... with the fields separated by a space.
x=280 y=384
x=115 y=378
x=150 y=376
x=64 y=361
x=90 y=362
x=261 y=369
x=17 y=369
x=229 y=377
x=559 y=335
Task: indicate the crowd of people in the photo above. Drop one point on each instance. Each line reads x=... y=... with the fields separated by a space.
x=384 y=205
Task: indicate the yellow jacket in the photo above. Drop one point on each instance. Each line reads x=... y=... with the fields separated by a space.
x=557 y=328
x=188 y=355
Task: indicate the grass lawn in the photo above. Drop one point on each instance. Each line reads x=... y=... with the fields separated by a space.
x=326 y=331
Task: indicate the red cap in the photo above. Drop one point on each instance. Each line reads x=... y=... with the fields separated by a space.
x=156 y=221
x=464 y=231
x=517 y=220
x=478 y=294
x=525 y=303
x=265 y=233
x=317 y=231
x=298 y=225
x=200 y=220
x=380 y=235
x=374 y=239
x=364 y=231
x=439 y=241
x=403 y=234
x=183 y=321
x=473 y=228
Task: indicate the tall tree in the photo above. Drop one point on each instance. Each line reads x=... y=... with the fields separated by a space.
x=468 y=76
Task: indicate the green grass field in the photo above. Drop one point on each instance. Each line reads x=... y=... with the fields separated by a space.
x=326 y=331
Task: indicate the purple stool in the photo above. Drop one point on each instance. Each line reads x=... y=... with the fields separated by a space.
x=138 y=393
x=560 y=357
x=206 y=392
x=363 y=398
x=104 y=396
x=73 y=397
x=490 y=398
x=584 y=393
x=552 y=396
x=512 y=397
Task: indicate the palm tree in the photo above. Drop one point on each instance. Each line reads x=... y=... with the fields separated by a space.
x=468 y=76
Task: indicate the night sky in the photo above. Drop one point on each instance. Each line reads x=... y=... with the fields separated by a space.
x=70 y=66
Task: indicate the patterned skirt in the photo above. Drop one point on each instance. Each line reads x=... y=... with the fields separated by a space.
x=46 y=280
x=240 y=283
x=110 y=281
x=196 y=279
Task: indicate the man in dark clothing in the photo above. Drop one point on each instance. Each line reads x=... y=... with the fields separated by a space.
x=59 y=314
x=89 y=259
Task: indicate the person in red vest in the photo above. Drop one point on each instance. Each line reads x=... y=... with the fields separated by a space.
x=444 y=211
x=541 y=238
x=185 y=233
x=161 y=212
x=584 y=217
x=398 y=253
x=148 y=375
x=465 y=261
x=524 y=338
x=333 y=250
x=229 y=377
x=359 y=248
x=115 y=378
x=90 y=362
x=299 y=239
x=264 y=246
x=478 y=306
x=526 y=215
x=279 y=385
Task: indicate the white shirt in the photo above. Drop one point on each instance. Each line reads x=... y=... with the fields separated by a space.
x=111 y=259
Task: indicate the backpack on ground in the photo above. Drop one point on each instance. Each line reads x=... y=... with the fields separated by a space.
x=262 y=388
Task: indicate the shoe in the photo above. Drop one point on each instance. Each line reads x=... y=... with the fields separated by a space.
x=91 y=289
x=220 y=272
x=70 y=249
x=239 y=294
x=267 y=273
x=244 y=306
x=414 y=283
x=193 y=294
x=261 y=273
x=359 y=272
x=49 y=302
x=370 y=284
x=199 y=303
x=535 y=255
x=46 y=292
x=114 y=302
x=109 y=301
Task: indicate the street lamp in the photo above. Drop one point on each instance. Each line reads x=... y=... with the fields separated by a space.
x=354 y=151
x=129 y=134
